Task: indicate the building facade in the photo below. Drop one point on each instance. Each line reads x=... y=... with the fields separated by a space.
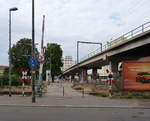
x=67 y=62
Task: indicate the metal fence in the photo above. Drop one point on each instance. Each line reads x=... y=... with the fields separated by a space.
x=139 y=30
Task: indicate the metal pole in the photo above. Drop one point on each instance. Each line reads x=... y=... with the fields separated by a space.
x=84 y=42
x=51 y=67
x=9 y=53
x=33 y=55
x=23 y=86
x=101 y=46
x=63 y=91
x=77 y=52
x=10 y=65
x=83 y=92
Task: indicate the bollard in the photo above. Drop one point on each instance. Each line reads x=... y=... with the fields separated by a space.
x=83 y=92
x=23 y=89
x=63 y=91
x=110 y=91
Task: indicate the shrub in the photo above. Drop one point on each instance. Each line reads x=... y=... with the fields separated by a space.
x=15 y=80
x=118 y=85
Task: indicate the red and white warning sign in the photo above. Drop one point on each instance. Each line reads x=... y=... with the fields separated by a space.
x=24 y=77
x=41 y=59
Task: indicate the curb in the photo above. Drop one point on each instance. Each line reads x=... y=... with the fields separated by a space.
x=71 y=106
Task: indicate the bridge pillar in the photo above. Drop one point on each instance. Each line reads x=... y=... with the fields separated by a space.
x=84 y=75
x=114 y=69
x=94 y=75
x=72 y=78
x=113 y=65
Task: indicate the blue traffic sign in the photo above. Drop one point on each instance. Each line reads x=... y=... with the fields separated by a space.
x=26 y=55
x=32 y=63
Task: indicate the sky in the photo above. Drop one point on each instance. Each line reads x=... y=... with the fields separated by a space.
x=69 y=21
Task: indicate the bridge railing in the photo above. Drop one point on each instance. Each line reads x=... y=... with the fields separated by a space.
x=139 y=30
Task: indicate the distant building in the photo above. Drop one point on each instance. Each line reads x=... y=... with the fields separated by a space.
x=67 y=63
x=2 y=68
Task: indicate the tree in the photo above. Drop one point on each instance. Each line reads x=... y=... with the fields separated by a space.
x=53 y=56
x=22 y=47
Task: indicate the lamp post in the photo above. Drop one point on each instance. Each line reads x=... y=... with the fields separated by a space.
x=10 y=65
x=33 y=55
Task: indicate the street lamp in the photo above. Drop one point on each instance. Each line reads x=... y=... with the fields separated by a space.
x=10 y=66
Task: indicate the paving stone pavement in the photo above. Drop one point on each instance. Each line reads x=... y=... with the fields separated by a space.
x=72 y=98
x=56 y=89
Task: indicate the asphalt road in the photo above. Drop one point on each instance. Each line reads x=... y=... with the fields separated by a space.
x=12 y=113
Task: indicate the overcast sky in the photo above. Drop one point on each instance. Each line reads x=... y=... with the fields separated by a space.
x=68 y=21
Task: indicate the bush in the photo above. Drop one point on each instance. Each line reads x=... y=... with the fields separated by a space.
x=5 y=79
x=100 y=94
x=103 y=95
x=1 y=81
x=76 y=81
x=15 y=80
x=118 y=85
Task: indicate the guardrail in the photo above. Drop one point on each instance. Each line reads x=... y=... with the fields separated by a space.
x=139 y=30
x=143 y=28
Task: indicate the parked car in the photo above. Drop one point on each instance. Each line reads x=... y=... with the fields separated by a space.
x=143 y=77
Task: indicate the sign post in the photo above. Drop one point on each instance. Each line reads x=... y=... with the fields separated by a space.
x=33 y=63
x=24 y=79
x=110 y=76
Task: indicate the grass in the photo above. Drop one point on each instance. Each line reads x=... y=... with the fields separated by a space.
x=99 y=94
x=132 y=95
x=102 y=91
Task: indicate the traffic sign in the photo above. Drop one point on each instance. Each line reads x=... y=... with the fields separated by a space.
x=26 y=55
x=32 y=63
x=41 y=59
x=24 y=77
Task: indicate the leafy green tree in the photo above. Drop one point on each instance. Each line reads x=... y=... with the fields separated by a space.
x=53 y=56
x=22 y=47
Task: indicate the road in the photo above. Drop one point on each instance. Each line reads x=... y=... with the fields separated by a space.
x=18 y=113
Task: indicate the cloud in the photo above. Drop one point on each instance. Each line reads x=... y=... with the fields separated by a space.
x=68 y=21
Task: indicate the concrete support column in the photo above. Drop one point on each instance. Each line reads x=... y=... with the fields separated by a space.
x=114 y=69
x=94 y=75
x=84 y=75
x=78 y=77
x=113 y=65
x=72 y=78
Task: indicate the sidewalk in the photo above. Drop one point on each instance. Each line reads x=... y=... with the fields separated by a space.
x=54 y=98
